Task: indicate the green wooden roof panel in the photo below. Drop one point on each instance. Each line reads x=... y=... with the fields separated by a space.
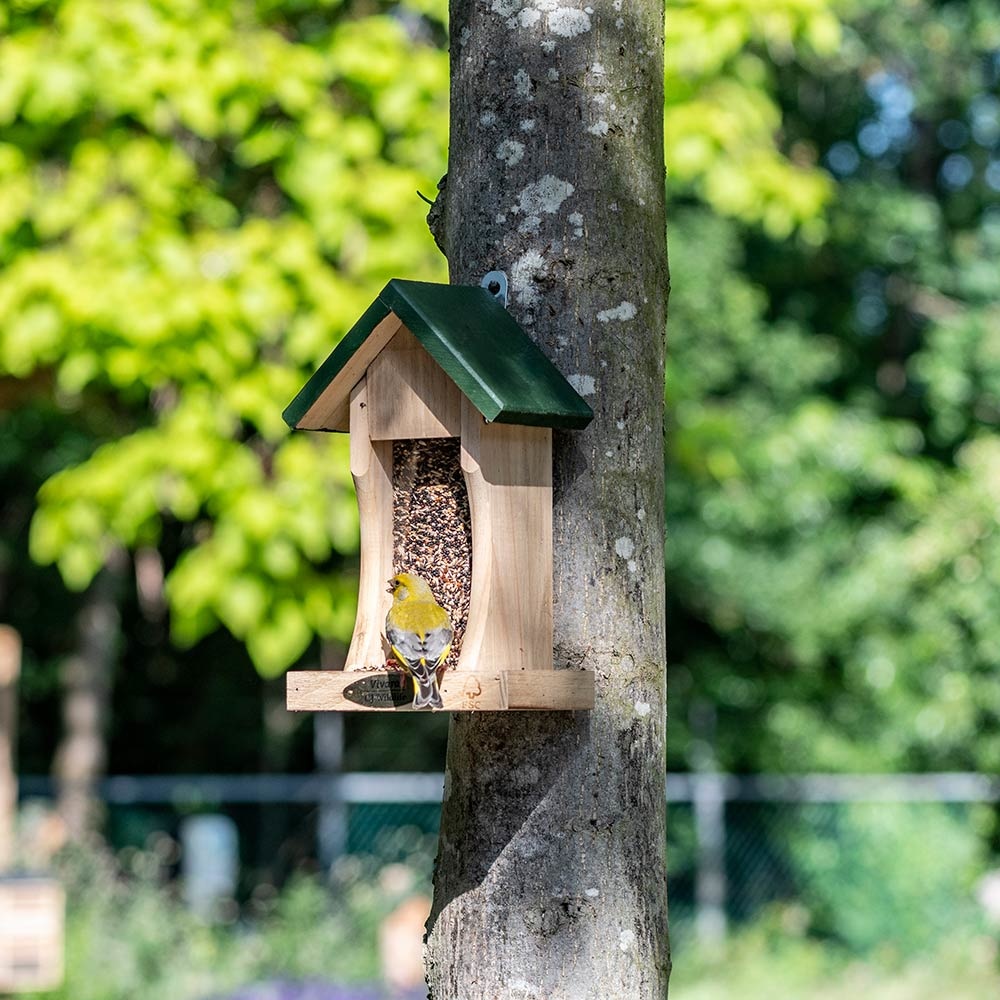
x=480 y=347
x=323 y=375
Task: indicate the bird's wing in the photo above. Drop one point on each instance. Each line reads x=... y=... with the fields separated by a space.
x=437 y=644
x=405 y=644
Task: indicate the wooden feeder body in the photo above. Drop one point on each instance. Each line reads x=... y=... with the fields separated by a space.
x=392 y=389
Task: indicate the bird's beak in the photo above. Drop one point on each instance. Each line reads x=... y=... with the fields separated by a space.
x=390 y=588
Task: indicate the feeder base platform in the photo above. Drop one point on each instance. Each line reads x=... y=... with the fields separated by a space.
x=461 y=691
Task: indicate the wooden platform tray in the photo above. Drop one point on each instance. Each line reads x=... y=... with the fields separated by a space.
x=461 y=691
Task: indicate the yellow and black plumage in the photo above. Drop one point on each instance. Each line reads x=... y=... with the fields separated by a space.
x=420 y=633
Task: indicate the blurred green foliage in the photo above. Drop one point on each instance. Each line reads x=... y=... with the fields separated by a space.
x=892 y=877
x=129 y=935
x=834 y=447
x=774 y=957
x=200 y=198
x=722 y=116
x=882 y=879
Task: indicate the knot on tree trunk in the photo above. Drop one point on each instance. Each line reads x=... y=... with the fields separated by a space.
x=436 y=217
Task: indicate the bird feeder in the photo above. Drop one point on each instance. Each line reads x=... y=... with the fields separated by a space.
x=450 y=408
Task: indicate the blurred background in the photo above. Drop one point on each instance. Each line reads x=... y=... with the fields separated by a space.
x=197 y=199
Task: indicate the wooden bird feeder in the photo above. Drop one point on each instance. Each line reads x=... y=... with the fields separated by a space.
x=450 y=408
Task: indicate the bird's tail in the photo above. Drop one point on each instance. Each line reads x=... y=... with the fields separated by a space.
x=427 y=695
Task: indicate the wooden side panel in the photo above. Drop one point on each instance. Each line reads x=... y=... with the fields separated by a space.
x=371 y=467
x=331 y=411
x=410 y=394
x=509 y=474
x=461 y=691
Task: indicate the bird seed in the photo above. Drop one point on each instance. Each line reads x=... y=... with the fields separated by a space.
x=432 y=526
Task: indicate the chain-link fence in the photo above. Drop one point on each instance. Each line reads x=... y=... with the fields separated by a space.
x=868 y=860
x=864 y=874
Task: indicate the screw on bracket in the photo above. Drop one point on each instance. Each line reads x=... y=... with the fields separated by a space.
x=496 y=284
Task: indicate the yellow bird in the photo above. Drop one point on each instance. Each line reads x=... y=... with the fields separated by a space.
x=420 y=633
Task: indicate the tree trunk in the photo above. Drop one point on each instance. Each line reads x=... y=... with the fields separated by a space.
x=81 y=757
x=551 y=877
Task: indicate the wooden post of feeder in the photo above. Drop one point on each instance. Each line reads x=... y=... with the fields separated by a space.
x=10 y=668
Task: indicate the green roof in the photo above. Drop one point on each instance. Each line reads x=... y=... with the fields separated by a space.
x=478 y=344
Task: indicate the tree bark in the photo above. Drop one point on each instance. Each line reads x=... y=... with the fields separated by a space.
x=551 y=878
x=81 y=757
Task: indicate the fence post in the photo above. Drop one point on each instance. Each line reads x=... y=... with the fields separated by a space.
x=708 y=794
x=328 y=751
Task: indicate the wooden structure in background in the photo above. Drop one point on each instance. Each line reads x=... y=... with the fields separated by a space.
x=31 y=934
x=443 y=361
x=31 y=907
x=10 y=669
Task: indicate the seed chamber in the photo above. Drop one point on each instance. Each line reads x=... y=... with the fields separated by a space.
x=432 y=525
